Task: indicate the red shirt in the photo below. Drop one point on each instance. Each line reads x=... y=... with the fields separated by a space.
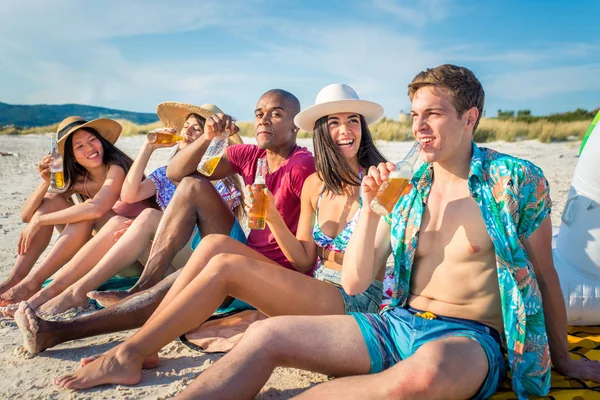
x=285 y=184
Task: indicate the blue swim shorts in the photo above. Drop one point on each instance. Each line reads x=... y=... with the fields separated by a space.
x=397 y=333
x=237 y=233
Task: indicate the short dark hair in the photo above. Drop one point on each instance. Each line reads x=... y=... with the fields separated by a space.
x=331 y=165
x=293 y=100
x=459 y=83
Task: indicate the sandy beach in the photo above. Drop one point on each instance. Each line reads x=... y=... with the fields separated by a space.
x=30 y=377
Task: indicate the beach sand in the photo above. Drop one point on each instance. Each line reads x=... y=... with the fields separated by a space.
x=30 y=377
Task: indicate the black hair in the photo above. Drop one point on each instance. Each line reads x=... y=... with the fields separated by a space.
x=112 y=156
x=332 y=166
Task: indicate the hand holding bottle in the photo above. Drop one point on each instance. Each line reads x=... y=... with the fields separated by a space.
x=218 y=123
x=44 y=168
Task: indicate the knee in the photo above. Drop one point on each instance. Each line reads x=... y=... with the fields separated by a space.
x=148 y=215
x=213 y=244
x=193 y=185
x=265 y=336
x=414 y=384
x=221 y=267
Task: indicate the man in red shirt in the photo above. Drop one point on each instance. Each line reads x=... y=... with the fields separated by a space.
x=197 y=203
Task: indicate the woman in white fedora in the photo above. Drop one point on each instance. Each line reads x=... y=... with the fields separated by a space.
x=330 y=204
x=94 y=170
x=85 y=272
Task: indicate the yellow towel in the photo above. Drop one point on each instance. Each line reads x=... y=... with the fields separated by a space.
x=584 y=341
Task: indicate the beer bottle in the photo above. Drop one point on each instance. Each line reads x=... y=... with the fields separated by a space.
x=391 y=190
x=57 y=174
x=258 y=213
x=159 y=137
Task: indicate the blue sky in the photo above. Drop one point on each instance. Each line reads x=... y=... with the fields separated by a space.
x=538 y=55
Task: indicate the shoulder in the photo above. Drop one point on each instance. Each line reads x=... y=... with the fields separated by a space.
x=302 y=163
x=242 y=150
x=500 y=165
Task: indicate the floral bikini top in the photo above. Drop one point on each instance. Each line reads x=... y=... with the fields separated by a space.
x=339 y=243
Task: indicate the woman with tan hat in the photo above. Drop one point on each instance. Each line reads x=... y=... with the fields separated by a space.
x=95 y=170
x=330 y=204
x=84 y=274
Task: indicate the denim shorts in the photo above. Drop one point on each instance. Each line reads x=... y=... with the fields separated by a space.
x=365 y=302
x=397 y=333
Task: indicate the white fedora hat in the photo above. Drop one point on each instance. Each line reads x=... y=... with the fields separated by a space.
x=337 y=98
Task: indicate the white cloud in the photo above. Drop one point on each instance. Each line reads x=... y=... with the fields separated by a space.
x=539 y=83
x=416 y=13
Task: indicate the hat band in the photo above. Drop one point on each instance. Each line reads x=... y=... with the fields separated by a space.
x=67 y=128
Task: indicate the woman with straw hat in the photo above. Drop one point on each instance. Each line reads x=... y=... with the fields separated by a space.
x=330 y=204
x=95 y=170
x=68 y=290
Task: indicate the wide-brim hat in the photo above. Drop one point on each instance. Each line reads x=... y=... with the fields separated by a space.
x=173 y=115
x=337 y=98
x=109 y=129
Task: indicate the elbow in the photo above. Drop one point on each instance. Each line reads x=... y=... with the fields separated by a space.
x=128 y=197
x=352 y=286
x=25 y=217
x=96 y=212
x=173 y=174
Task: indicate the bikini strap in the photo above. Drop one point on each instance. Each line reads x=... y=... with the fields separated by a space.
x=87 y=193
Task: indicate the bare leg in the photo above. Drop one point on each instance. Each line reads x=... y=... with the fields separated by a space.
x=452 y=368
x=85 y=259
x=195 y=203
x=124 y=252
x=332 y=345
x=25 y=262
x=247 y=277
x=71 y=239
x=132 y=312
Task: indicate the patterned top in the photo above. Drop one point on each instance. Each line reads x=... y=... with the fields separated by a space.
x=513 y=197
x=165 y=189
x=340 y=242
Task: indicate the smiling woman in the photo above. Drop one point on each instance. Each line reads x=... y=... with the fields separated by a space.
x=94 y=171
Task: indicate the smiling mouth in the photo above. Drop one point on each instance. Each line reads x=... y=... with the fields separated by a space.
x=426 y=141
x=92 y=156
x=345 y=142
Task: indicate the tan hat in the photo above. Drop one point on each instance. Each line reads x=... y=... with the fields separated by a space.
x=109 y=129
x=173 y=115
x=334 y=99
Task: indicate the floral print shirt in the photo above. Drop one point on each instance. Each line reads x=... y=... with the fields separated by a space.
x=513 y=197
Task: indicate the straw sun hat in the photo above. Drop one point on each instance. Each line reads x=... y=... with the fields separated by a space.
x=173 y=115
x=107 y=128
x=337 y=98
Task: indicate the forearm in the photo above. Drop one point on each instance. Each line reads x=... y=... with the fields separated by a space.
x=359 y=267
x=186 y=161
x=34 y=201
x=302 y=259
x=133 y=179
x=86 y=211
x=555 y=315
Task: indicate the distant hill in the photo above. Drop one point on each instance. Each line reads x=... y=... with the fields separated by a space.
x=45 y=114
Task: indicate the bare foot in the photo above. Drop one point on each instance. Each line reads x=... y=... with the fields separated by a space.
x=113 y=367
x=63 y=302
x=8 y=284
x=16 y=294
x=149 y=363
x=35 y=340
x=9 y=310
x=108 y=297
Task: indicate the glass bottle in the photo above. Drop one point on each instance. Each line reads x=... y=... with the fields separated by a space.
x=258 y=213
x=391 y=190
x=57 y=173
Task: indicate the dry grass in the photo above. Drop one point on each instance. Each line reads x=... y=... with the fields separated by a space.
x=490 y=129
